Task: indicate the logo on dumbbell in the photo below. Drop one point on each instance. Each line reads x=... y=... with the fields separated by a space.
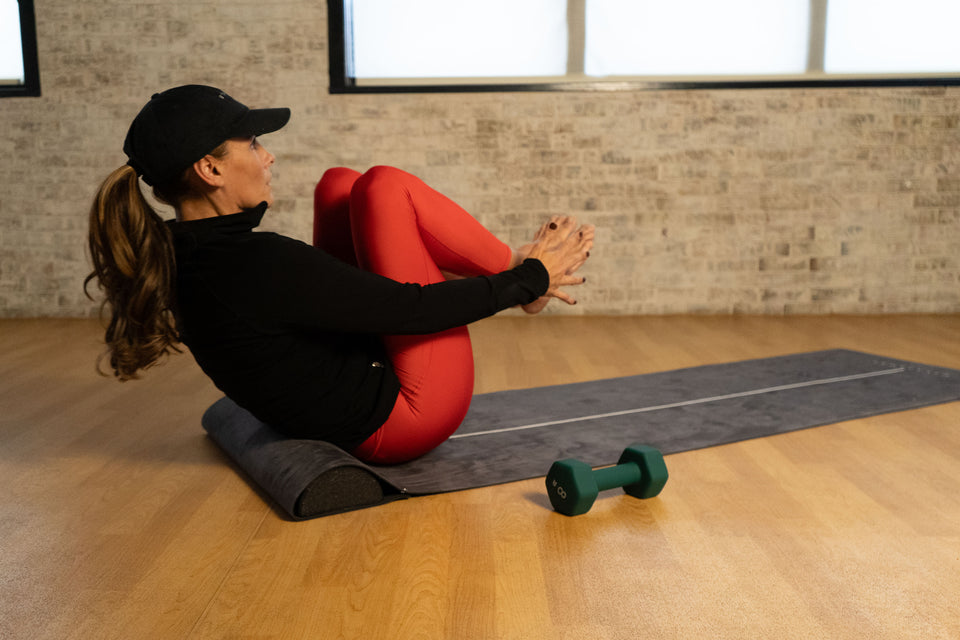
x=573 y=485
x=560 y=490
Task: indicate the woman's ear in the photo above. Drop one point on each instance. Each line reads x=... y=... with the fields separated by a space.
x=207 y=169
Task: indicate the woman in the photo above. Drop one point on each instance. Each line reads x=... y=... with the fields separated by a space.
x=359 y=341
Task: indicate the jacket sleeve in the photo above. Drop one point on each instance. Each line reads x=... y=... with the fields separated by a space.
x=306 y=288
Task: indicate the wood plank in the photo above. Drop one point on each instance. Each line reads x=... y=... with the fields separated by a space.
x=120 y=519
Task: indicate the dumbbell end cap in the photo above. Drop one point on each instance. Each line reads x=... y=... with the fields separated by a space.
x=653 y=470
x=571 y=487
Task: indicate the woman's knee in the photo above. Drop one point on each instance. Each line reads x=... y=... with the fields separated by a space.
x=333 y=190
x=386 y=172
x=381 y=193
x=336 y=182
x=340 y=173
x=385 y=179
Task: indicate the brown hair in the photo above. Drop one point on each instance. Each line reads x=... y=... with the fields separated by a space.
x=133 y=262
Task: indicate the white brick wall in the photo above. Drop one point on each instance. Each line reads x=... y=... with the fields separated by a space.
x=759 y=201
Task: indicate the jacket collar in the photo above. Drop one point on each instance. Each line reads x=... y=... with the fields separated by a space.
x=241 y=222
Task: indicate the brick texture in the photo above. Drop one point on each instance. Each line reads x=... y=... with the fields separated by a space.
x=721 y=201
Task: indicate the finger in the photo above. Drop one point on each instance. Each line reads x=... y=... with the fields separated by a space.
x=580 y=252
x=563 y=295
x=544 y=228
x=570 y=280
x=563 y=224
x=551 y=227
x=583 y=236
x=576 y=255
x=562 y=235
x=576 y=267
x=548 y=225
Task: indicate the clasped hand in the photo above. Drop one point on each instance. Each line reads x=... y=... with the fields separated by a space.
x=563 y=248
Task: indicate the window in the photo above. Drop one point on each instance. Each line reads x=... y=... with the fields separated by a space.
x=892 y=36
x=19 y=71
x=497 y=45
x=696 y=38
x=461 y=41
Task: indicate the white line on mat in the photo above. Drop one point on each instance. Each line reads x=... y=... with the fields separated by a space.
x=687 y=403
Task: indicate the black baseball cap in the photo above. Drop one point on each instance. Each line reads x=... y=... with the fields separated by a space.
x=181 y=125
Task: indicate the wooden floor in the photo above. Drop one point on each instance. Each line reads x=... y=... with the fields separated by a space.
x=120 y=519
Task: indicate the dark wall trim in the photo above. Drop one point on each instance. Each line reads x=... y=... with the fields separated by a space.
x=31 y=66
x=349 y=86
x=337 y=48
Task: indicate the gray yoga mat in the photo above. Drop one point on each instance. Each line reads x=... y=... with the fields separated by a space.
x=515 y=435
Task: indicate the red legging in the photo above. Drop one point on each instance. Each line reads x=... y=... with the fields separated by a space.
x=390 y=222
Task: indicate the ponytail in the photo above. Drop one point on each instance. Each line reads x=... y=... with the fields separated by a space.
x=133 y=263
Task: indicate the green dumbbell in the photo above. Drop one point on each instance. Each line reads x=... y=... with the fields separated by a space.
x=573 y=485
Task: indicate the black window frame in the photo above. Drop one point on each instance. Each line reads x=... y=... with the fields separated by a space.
x=31 y=65
x=342 y=83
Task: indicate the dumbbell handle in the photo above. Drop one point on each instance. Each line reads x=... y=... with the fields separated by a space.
x=620 y=475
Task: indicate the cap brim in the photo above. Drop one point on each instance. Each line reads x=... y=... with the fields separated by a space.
x=257 y=122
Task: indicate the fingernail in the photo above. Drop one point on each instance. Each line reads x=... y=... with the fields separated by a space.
x=553 y=225
x=588 y=254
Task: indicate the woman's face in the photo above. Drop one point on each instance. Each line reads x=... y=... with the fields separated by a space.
x=246 y=172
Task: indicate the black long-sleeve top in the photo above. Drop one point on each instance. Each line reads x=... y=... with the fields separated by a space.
x=292 y=334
